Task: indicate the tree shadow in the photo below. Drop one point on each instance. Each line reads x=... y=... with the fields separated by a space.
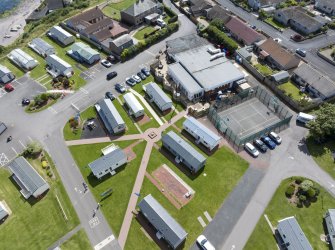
x=94 y=181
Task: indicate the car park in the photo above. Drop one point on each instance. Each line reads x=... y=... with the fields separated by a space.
x=268 y=142
x=111 y=75
x=251 y=149
x=276 y=138
x=130 y=81
x=25 y=101
x=301 y=52
x=204 y=243
x=145 y=71
x=120 y=87
x=141 y=75
x=106 y=63
x=260 y=145
x=110 y=96
x=136 y=78
x=9 y=87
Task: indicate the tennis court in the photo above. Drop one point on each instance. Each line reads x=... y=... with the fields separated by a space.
x=248 y=118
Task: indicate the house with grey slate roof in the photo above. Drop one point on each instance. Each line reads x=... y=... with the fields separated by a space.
x=326 y=6
x=28 y=179
x=108 y=163
x=183 y=152
x=119 y=44
x=158 y=96
x=330 y=224
x=5 y=74
x=135 y=14
x=258 y=4
x=57 y=66
x=291 y=235
x=167 y=227
x=60 y=35
x=110 y=116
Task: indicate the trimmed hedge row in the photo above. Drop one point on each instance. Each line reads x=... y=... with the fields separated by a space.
x=219 y=37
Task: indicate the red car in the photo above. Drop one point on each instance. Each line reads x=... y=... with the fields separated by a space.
x=9 y=87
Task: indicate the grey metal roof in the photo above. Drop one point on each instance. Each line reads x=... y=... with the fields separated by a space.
x=328 y=3
x=183 y=43
x=21 y=56
x=119 y=42
x=317 y=80
x=84 y=50
x=4 y=70
x=281 y=75
x=109 y=114
x=27 y=175
x=187 y=81
x=330 y=223
x=3 y=212
x=292 y=234
x=41 y=44
x=57 y=62
x=59 y=32
x=107 y=161
x=157 y=94
x=184 y=149
x=140 y=7
x=299 y=15
x=202 y=131
x=133 y=103
x=172 y=232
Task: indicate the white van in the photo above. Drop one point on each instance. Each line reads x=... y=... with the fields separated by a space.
x=160 y=22
x=304 y=118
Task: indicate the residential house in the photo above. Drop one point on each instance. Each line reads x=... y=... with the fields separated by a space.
x=242 y=32
x=218 y=12
x=278 y=57
x=200 y=7
x=3 y=212
x=259 y=4
x=314 y=81
x=5 y=74
x=167 y=227
x=83 y=53
x=297 y=19
x=109 y=163
x=134 y=106
x=41 y=47
x=119 y=44
x=326 y=6
x=22 y=59
x=60 y=35
x=136 y=13
x=291 y=235
x=158 y=96
x=56 y=66
x=27 y=178
x=280 y=77
x=330 y=225
x=110 y=116
x=201 y=133
x=183 y=152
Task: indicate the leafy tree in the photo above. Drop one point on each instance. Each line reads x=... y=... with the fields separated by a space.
x=302 y=198
x=311 y=193
x=323 y=127
x=289 y=191
x=218 y=23
x=262 y=14
x=33 y=148
x=219 y=37
x=306 y=185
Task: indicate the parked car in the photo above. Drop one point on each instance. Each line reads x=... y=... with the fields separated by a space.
x=301 y=52
x=260 y=145
x=9 y=87
x=110 y=59
x=204 y=243
x=106 y=63
x=141 y=75
x=25 y=101
x=111 y=75
x=120 y=87
x=251 y=149
x=268 y=142
x=276 y=138
x=145 y=71
x=160 y=23
x=136 y=78
x=297 y=37
x=278 y=40
x=110 y=96
x=130 y=81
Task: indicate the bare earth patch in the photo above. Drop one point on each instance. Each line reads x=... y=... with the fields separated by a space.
x=143 y=120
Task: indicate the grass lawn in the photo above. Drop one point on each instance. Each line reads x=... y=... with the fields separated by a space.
x=71 y=135
x=274 y=23
x=114 y=206
x=122 y=4
x=223 y=170
x=180 y=122
x=52 y=102
x=112 y=13
x=322 y=155
x=35 y=225
x=39 y=70
x=264 y=69
x=291 y=90
x=309 y=219
x=12 y=67
x=139 y=35
x=79 y=241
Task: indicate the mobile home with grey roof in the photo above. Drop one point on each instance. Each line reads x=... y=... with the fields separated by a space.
x=60 y=35
x=183 y=152
x=5 y=74
x=84 y=53
x=158 y=96
x=330 y=224
x=135 y=107
x=22 y=59
x=57 y=66
x=167 y=227
x=41 y=47
x=29 y=180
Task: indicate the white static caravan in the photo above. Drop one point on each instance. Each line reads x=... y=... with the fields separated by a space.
x=41 y=47
x=158 y=96
x=135 y=108
x=61 y=35
x=57 y=66
x=22 y=59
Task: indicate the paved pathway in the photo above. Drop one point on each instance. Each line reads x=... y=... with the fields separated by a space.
x=65 y=237
x=105 y=139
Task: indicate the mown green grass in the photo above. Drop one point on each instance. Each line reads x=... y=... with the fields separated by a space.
x=264 y=69
x=112 y=12
x=309 y=218
x=114 y=206
x=291 y=90
x=78 y=241
x=139 y=35
x=122 y=4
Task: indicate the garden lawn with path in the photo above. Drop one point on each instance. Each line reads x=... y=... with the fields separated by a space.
x=292 y=90
x=79 y=241
x=113 y=9
x=139 y=35
x=222 y=172
x=323 y=155
x=114 y=206
x=35 y=224
x=264 y=69
x=274 y=23
x=309 y=218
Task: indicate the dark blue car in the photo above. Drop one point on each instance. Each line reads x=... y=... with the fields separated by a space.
x=268 y=142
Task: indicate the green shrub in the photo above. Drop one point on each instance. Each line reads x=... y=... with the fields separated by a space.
x=299 y=179
x=49 y=173
x=169 y=11
x=219 y=37
x=290 y=191
x=306 y=185
x=32 y=149
x=302 y=198
x=173 y=19
x=311 y=193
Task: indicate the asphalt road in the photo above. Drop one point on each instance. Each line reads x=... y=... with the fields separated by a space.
x=46 y=127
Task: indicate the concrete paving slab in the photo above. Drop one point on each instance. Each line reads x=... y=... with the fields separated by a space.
x=202 y=222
